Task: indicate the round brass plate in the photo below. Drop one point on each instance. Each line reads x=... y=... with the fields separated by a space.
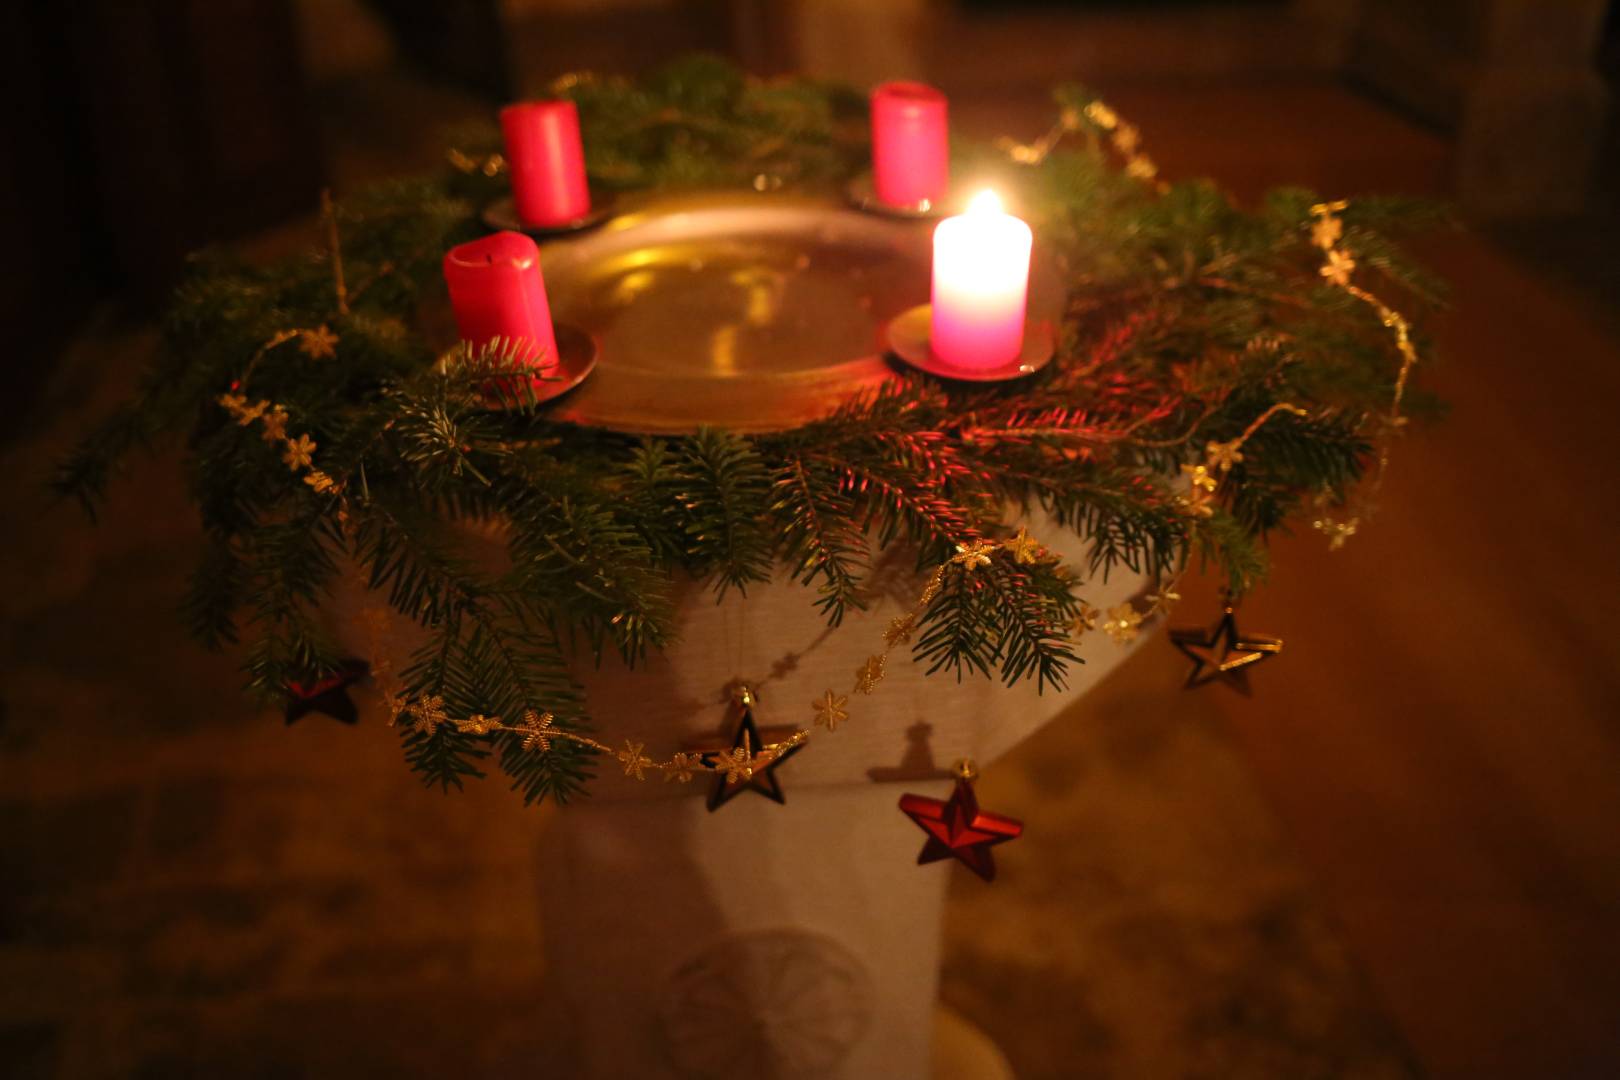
x=752 y=312
x=907 y=337
x=755 y=313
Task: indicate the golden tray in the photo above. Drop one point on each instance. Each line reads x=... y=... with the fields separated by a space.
x=755 y=313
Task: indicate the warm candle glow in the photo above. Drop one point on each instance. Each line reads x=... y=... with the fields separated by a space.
x=981 y=285
x=985 y=202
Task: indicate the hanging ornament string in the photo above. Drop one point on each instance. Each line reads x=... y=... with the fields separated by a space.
x=539 y=730
x=1097 y=118
x=1338 y=264
x=1123 y=622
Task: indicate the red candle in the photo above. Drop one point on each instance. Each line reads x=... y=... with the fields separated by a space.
x=910 y=148
x=497 y=292
x=546 y=161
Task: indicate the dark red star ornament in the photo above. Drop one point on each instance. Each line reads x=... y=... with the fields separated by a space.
x=328 y=695
x=958 y=829
x=1223 y=652
x=759 y=778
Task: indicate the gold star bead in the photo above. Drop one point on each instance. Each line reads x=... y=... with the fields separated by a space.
x=1196 y=503
x=681 y=767
x=478 y=724
x=737 y=763
x=1223 y=455
x=1338 y=268
x=298 y=451
x=233 y=403
x=633 y=760
x=1127 y=139
x=537 y=729
x=396 y=706
x=1024 y=550
x=1102 y=116
x=1123 y=623
x=1326 y=231
x=318 y=344
x=275 y=424
x=869 y=674
x=1022 y=153
x=427 y=713
x=320 y=482
x=1201 y=477
x=1141 y=168
x=249 y=413
x=974 y=555
x=1164 y=599
x=1336 y=531
x=830 y=711
x=900 y=629
x=1084 y=621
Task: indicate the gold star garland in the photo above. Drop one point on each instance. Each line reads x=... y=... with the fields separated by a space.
x=427 y=714
x=1338 y=266
x=1097 y=117
x=1123 y=622
x=490 y=165
x=298 y=452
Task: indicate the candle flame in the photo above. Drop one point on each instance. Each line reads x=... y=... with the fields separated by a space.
x=985 y=202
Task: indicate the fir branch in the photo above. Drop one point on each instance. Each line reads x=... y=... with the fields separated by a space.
x=820 y=538
x=724 y=483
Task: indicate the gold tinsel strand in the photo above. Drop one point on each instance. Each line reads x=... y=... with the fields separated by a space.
x=1338 y=264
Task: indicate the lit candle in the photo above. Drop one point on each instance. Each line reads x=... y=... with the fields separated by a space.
x=981 y=284
x=546 y=161
x=497 y=292
x=910 y=147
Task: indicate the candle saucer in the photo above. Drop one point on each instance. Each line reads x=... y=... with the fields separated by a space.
x=577 y=352
x=907 y=337
x=502 y=215
x=863 y=196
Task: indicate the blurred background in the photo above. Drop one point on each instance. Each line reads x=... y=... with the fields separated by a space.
x=1401 y=858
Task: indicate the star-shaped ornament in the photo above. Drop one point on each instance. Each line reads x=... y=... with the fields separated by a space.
x=958 y=829
x=328 y=696
x=741 y=768
x=1223 y=652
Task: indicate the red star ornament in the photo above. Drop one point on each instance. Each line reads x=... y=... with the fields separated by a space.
x=958 y=829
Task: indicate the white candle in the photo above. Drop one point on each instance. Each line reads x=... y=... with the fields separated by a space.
x=981 y=285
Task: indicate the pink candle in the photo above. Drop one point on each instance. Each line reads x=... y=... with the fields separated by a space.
x=981 y=285
x=910 y=149
x=497 y=292
x=546 y=161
